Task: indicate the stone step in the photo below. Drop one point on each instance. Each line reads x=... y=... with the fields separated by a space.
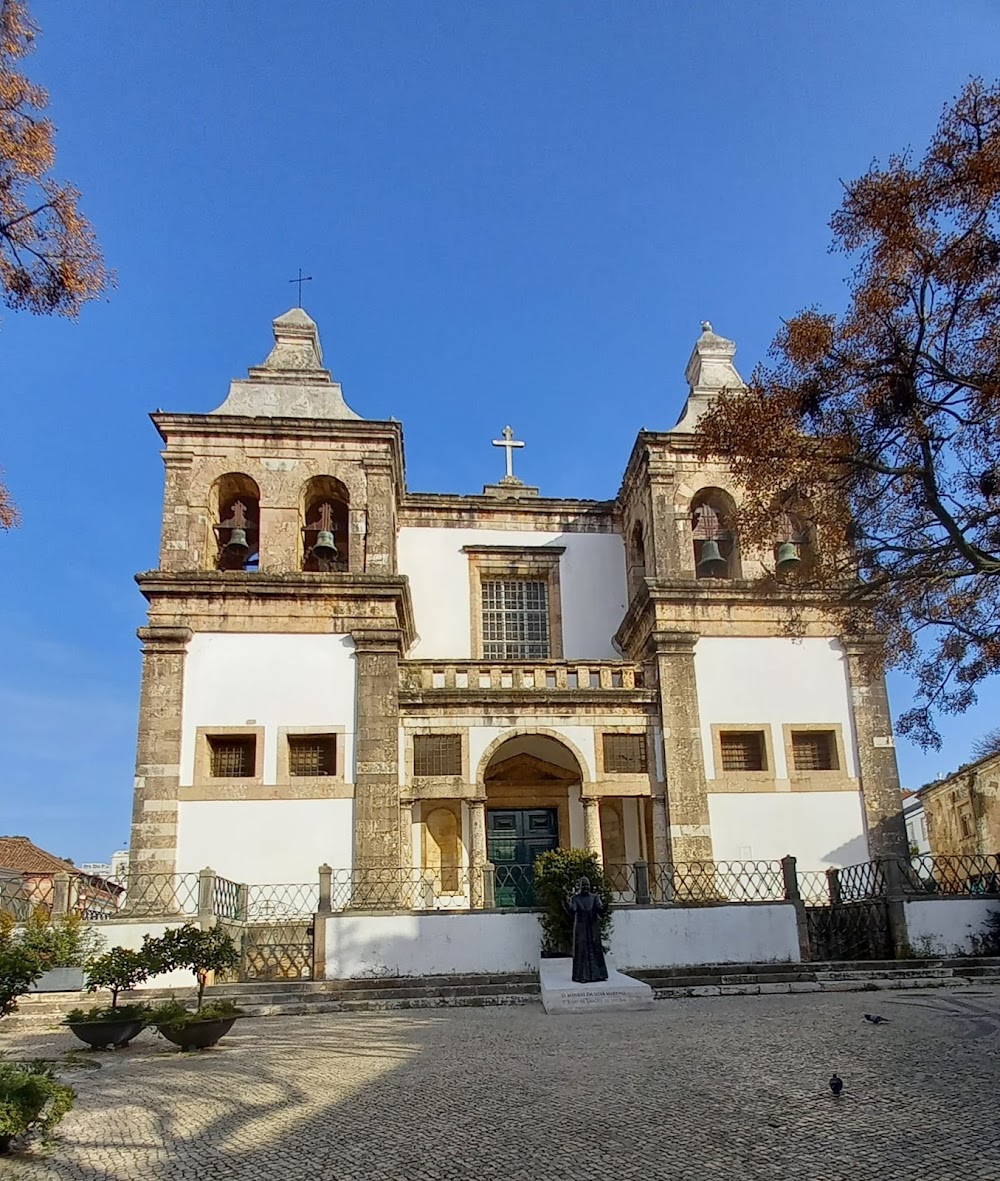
x=294 y=987
x=886 y=974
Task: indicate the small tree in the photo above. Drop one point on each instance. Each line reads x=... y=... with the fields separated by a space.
x=556 y=874
x=118 y=970
x=19 y=967
x=64 y=942
x=199 y=951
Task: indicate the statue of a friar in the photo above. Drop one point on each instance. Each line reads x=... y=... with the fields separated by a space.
x=588 y=952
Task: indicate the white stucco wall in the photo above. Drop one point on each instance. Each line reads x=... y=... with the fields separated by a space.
x=130 y=935
x=945 y=926
x=663 y=937
x=265 y=841
x=430 y=944
x=471 y=943
x=591 y=578
x=820 y=828
x=239 y=679
x=772 y=680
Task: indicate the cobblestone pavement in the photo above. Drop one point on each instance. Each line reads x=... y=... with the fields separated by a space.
x=695 y=1089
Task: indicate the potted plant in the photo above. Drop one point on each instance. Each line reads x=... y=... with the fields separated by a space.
x=118 y=970
x=63 y=945
x=556 y=874
x=32 y=1100
x=202 y=952
x=19 y=967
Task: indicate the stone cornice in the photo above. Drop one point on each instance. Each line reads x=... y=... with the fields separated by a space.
x=350 y=602
x=553 y=514
x=491 y=701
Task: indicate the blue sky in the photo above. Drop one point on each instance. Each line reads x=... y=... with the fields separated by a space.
x=514 y=212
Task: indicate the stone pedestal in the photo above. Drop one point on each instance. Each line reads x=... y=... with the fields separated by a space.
x=619 y=993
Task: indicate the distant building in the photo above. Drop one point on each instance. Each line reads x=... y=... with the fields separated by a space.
x=114 y=870
x=41 y=872
x=916 y=823
x=963 y=810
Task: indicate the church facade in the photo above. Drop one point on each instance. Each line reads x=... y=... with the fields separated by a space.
x=338 y=670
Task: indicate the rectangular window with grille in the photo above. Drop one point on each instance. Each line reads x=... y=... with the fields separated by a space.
x=233 y=757
x=814 y=750
x=625 y=754
x=515 y=619
x=742 y=750
x=437 y=754
x=312 y=754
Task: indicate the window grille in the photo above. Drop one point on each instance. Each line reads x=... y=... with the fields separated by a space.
x=742 y=750
x=515 y=620
x=437 y=754
x=813 y=750
x=312 y=754
x=625 y=753
x=233 y=758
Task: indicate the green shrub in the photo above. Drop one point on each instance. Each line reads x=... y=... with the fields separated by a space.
x=189 y=947
x=32 y=1100
x=118 y=970
x=556 y=874
x=106 y=1013
x=19 y=967
x=64 y=942
x=174 y=1015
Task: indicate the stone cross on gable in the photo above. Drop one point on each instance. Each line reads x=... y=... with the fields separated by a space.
x=508 y=442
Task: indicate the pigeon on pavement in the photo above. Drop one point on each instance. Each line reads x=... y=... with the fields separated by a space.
x=836 y=1085
x=875 y=1019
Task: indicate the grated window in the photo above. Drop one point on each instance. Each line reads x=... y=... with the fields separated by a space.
x=814 y=750
x=437 y=754
x=312 y=754
x=742 y=750
x=515 y=619
x=233 y=758
x=625 y=753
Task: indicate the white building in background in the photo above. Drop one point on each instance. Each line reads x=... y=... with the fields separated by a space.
x=115 y=870
x=916 y=823
x=340 y=670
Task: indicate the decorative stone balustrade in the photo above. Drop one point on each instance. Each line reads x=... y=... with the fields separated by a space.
x=551 y=676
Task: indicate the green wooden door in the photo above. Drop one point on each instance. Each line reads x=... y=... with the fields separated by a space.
x=514 y=838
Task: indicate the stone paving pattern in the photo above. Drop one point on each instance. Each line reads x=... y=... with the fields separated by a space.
x=699 y=1089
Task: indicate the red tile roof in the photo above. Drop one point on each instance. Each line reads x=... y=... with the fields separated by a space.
x=19 y=853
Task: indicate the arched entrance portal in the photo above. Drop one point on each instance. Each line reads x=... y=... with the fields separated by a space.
x=532 y=805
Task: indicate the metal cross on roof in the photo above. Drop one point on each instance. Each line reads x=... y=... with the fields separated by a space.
x=300 y=280
x=508 y=442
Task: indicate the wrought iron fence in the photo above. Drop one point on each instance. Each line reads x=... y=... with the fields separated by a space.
x=141 y=895
x=265 y=903
x=14 y=899
x=229 y=899
x=972 y=875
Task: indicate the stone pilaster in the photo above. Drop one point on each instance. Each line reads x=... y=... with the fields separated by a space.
x=380 y=539
x=683 y=762
x=877 y=768
x=592 y=826
x=157 y=765
x=477 y=851
x=661 y=839
x=377 y=844
x=180 y=535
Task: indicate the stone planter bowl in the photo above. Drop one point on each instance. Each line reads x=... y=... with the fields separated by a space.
x=102 y=1034
x=197 y=1035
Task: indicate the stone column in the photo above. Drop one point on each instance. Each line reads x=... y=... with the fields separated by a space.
x=876 y=754
x=406 y=833
x=377 y=845
x=153 y=848
x=477 y=851
x=690 y=836
x=183 y=539
x=592 y=826
x=661 y=840
x=380 y=539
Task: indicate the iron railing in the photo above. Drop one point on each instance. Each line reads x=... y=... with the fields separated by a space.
x=970 y=875
x=141 y=895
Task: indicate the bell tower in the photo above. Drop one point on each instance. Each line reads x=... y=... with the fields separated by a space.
x=279 y=524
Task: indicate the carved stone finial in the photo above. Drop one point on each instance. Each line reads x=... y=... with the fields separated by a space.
x=706 y=325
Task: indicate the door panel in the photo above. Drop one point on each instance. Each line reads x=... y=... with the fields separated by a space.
x=515 y=837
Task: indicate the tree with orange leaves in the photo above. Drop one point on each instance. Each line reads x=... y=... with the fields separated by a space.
x=49 y=257
x=881 y=427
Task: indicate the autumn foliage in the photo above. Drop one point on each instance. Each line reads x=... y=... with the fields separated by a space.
x=49 y=257
x=882 y=425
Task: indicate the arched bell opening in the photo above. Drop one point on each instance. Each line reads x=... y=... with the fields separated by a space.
x=234 y=504
x=712 y=536
x=636 y=557
x=793 y=550
x=325 y=514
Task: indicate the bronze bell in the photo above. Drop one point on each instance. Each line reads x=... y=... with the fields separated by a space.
x=788 y=558
x=237 y=543
x=712 y=564
x=325 y=549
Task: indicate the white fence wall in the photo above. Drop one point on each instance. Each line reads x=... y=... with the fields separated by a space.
x=945 y=926
x=129 y=935
x=444 y=944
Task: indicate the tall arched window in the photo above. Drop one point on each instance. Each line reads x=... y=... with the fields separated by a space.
x=712 y=535
x=636 y=556
x=235 y=507
x=325 y=512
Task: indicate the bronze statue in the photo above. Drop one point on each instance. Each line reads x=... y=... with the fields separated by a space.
x=588 y=952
